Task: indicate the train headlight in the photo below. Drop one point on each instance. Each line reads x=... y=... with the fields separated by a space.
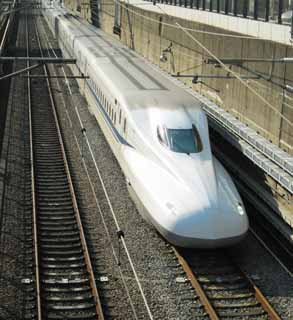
x=240 y=209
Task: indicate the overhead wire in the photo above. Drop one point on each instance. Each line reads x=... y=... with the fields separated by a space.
x=270 y=76
x=287 y=105
x=235 y=74
x=258 y=83
x=287 y=97
x=263 y=87
x=239 y=78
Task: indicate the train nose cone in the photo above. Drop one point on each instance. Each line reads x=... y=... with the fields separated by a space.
x=207 y=229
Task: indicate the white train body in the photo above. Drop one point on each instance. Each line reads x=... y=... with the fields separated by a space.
x=159 y=135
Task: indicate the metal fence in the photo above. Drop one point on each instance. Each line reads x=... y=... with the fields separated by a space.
x=276 y=11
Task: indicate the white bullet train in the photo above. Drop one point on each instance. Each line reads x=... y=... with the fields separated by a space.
x=159 y=135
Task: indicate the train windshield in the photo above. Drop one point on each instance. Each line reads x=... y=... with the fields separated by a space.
x=181 y=140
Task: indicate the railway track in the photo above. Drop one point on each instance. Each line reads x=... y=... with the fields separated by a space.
x=64 y=280
x=224 y=290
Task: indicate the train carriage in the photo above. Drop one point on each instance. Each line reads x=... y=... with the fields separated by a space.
x=159 y=135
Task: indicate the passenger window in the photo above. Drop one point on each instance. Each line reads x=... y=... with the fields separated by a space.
x=115 y=118
x=120 y=114
x=124 y=126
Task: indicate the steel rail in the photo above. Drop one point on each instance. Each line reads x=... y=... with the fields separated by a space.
x=197 y=287
x=207 y=304
x=261 y=298
x=35 y=229
x=75 y=206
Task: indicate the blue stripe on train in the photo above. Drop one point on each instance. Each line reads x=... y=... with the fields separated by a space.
x=108 y=120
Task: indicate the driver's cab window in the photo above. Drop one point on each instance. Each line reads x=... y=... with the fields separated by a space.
x=180 y=140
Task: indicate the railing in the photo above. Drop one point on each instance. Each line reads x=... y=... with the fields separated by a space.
x=276 y=11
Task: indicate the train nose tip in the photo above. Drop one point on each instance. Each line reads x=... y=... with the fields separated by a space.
x=204 y=243
x=206 y=230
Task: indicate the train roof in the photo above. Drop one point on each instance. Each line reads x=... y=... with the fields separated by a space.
x=132 y=79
